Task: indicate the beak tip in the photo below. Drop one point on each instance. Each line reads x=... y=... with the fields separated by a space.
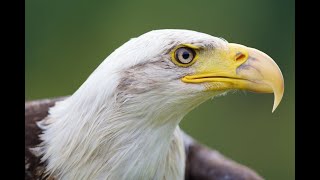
x=274 y=108
x=277 y=100
x=275 y=105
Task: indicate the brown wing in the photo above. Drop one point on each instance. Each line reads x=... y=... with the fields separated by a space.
x=34 y=111
x=202 y=163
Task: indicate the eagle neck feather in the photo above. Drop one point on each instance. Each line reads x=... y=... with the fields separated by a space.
x=112 y=140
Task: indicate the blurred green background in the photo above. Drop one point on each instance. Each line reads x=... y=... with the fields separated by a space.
x=66 y=40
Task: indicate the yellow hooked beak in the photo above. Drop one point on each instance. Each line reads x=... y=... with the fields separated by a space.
x=238 y=67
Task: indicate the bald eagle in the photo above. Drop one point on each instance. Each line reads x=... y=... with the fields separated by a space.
x=123 y=122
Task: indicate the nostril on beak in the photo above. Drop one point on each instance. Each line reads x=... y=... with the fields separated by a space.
x=240 y=56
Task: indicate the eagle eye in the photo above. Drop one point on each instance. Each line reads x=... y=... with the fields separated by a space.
x=184 y=56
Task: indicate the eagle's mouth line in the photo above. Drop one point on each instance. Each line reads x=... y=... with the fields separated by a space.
x=213 y=78
x=206 y=77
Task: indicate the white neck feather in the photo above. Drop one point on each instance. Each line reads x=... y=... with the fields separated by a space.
x=111 y=140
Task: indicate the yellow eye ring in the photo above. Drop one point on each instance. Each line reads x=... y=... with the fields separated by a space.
x=184 y=55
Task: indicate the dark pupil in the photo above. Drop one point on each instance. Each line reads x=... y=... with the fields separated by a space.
x=185 y=55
